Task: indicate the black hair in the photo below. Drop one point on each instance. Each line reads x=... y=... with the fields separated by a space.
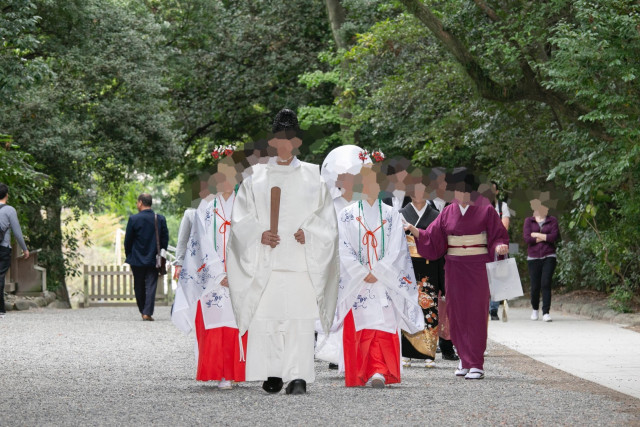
x=4 y=190
x=461 y=179
x=286 y=120
x=396 y=165
x=145 y=199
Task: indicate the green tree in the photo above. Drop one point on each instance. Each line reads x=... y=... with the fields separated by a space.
x=102 y=113
x=235 y=64
x=533 y=94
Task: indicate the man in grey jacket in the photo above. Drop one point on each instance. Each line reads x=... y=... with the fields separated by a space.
x=8 y=224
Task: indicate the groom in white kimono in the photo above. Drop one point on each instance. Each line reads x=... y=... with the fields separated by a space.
x=280 y=283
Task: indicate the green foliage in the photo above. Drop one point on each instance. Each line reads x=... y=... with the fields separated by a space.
x=621 y=299
x=535 y=95
x=233 y=66
x=25 y=183
x=18 y=70
x=98 y=96
x=100 y=112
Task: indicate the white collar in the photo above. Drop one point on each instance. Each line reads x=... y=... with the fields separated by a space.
x=227 y=201
x=463 y=210
x=371 y=213
x=273 y=161
x=399 y=194
x=439 y=203
x=419 y=212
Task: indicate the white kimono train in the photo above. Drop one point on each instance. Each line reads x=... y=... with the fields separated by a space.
x=203 y=269
x=391 y=303
x=329 y=346
x=278 y=293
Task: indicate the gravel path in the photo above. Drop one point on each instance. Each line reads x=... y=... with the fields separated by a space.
x=104 y=366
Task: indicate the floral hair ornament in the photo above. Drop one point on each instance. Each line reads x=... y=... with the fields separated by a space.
x=363 y=156
x=378 y=155
x=222 y=151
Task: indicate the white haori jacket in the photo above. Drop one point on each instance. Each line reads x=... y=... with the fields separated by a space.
x=305 y=204
x=391 y=303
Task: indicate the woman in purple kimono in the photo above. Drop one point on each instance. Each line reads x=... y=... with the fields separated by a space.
x=468 y=236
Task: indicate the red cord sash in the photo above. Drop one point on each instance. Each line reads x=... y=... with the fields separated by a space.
x=480 y=245
x=369 y=240
x=223 y=230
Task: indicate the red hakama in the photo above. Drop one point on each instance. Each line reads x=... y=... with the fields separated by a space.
x=218 y=352
x=367 y=352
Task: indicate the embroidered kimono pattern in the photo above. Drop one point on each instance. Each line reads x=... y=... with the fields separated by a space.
x=373 y=313
x=208 y=303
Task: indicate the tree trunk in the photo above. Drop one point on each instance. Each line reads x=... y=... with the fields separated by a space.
x=526 y=88
x=54 y=216
x=45 y=232
x=337 y=15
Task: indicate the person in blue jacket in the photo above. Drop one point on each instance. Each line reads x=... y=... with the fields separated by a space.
x=141 y=249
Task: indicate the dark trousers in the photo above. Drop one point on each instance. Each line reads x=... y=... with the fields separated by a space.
x=145 y=282
x=540 y=272
x=446 y=346
x=5 y=263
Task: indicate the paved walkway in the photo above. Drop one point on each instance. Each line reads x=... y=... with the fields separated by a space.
x=104 y=366
x=598 y=351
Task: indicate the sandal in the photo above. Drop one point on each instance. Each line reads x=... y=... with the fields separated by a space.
x=474 y=374
x=460 y=371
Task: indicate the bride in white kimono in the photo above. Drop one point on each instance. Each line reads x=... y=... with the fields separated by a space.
x=377 y=294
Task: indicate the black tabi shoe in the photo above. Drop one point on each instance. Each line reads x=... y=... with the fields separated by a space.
x=450 y=356
x=272 y=385
x=297 y=387
x=494 y=315
x=333 y=366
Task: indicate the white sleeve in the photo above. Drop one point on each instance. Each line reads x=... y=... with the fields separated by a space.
x=183 y=235
x=505 y=210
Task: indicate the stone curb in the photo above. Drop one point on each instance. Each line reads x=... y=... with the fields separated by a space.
x=20 y=303
x=589 y=310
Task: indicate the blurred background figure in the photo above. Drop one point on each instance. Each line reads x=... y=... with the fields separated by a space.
x=440 y=196
x=146 y=236
x=394 y=191
x=540 y=232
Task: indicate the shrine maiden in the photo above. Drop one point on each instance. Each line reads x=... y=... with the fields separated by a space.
x=378 y=294
x=202 y=298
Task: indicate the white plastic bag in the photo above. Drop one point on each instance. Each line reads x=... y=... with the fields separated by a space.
x=504 y=280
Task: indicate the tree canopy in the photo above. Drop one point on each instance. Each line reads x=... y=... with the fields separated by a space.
x=533 y=94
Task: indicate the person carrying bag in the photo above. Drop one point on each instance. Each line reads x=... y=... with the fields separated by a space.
x=144 y=255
